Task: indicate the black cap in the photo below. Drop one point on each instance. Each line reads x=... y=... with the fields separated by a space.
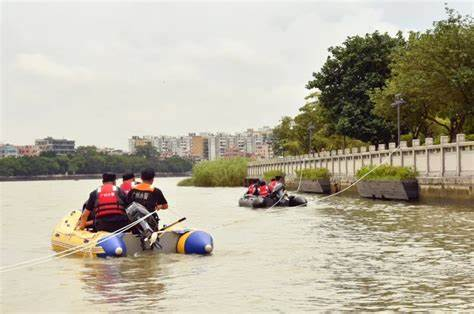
x=262 y=183
x=128 y=176
x=278 y=178
x=148 y=174
x=109 y=177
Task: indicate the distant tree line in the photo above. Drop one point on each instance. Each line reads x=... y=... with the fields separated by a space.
x=87 y=160
x=350 y=97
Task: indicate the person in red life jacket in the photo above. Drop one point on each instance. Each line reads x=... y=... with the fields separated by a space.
x=128 y=180
x=263 y=189
x=252 y=188
x=148 y=196
x=272 y=184
x=107 y=203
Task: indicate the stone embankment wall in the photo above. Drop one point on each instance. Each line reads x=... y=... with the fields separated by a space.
x=443 y=168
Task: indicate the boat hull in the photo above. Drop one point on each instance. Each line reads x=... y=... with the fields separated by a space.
x=266 y=202
x=103 y=244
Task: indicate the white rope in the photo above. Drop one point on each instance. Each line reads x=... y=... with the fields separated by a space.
x=70 y=251
x=301 y=179
x=356 y=181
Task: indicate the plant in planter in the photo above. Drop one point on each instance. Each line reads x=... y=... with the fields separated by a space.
x=388 y=182
x=267 y=176
x=315 y=180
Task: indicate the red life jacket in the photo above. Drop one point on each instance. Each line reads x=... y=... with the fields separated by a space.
x=251 y=189
x=126 y=187
x=272 y=184
x=108 y=202
x=263 y=190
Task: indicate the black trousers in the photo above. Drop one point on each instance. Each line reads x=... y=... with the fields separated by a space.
x=111 y=223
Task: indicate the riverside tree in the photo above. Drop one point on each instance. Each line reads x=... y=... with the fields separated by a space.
x=359 y=65
x=434 y=72
x=87 y=160
x=291 y=136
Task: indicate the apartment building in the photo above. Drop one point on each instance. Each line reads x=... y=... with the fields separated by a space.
x=58 y=146
x=252 y=143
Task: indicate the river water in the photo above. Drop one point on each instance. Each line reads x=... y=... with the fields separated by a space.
x=339 y=254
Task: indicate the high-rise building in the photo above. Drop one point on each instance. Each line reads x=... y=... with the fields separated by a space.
x=137 y=141
x=28 y=150
x=200 y=147
x=58 y=146
x=8 y=150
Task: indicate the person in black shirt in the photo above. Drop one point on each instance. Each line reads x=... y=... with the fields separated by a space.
x=148 y=196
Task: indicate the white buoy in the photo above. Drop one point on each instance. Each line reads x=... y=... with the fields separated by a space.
x=118 y=251
x=208 y=248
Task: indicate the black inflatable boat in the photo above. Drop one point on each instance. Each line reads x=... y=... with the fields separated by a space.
x=266 y=202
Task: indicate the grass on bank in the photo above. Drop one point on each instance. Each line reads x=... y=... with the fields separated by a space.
x=221 y=172
x=272 y=173
x=313 y=174
x=386 y=172
x=186 y=182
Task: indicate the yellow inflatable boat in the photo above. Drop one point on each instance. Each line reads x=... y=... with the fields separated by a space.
x=104 y=244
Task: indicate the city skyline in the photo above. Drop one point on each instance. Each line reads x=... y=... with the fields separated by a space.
x=36 y=145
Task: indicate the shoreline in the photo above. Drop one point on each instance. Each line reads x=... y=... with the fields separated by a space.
x=82 y=176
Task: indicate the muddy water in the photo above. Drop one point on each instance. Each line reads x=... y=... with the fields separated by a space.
x=340 y=254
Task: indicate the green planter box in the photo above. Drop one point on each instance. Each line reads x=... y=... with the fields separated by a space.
x=406 y=190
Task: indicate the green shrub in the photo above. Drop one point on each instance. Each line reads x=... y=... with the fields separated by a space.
x=272 y=173
x=221 y=172
x=386 y=172
x=469 y=137
x=186 y=182
x=313 y=173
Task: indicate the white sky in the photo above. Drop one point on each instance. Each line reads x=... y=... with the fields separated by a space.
x=100 y=72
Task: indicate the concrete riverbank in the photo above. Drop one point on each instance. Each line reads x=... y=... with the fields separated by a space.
x=446 y=170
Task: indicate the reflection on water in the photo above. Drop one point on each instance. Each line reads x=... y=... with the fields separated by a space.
x=123 y=283
x=343 y=253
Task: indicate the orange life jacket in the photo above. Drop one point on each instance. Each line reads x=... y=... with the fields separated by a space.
x=263 y=190
x=108 y=202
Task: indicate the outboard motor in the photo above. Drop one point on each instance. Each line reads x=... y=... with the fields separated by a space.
x=146 y=227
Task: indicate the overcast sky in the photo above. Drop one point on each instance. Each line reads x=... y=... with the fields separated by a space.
x=102 y=72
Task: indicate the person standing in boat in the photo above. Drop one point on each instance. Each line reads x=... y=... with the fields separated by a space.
x=107 y=203
x=128 y=180
x=147 y=195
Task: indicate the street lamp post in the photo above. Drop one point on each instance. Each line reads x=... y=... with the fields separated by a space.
x=310 y=129
x=397 y=103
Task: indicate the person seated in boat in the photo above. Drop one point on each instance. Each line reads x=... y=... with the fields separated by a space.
x=128 y=181
x=90 y=219
x=147 y=195
x=107 y=203
x=263 y=189
x=278 y=190
x=252 y=189
x=272 y=184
